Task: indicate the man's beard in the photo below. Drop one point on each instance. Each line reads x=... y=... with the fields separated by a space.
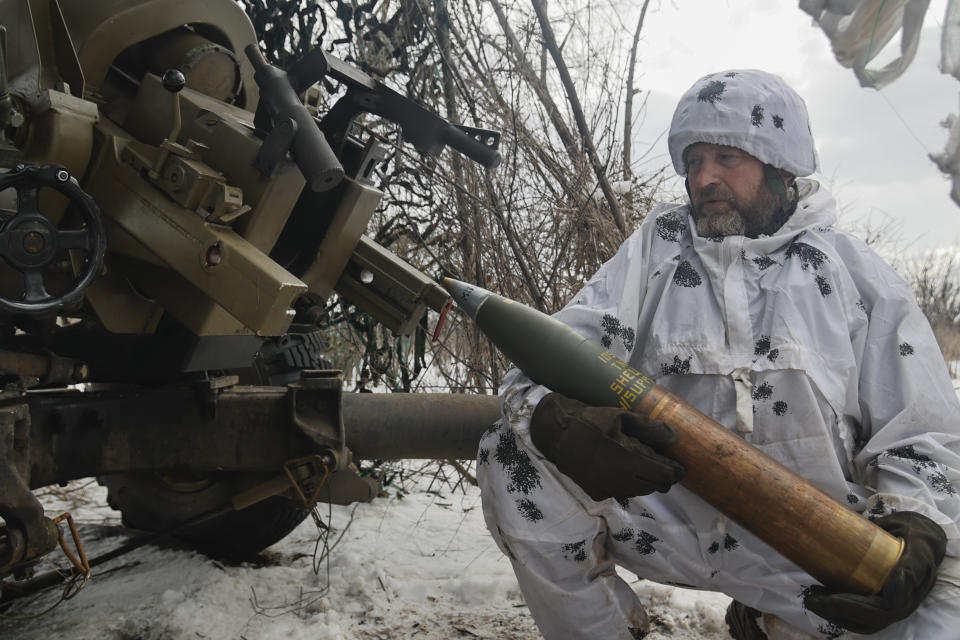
x=749 y=218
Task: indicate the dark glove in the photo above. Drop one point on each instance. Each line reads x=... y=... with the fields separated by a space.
x=742 y=622
x=909 y=582
x=609 y=452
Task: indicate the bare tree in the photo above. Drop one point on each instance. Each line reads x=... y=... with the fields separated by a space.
x=935 y=278
x=628 y=104
x=585 y=133
x=543 y=222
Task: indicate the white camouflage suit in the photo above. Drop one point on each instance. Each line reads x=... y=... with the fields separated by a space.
x=804 y=343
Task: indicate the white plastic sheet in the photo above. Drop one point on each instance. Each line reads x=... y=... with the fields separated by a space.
x=859 y=29
x=949 y=160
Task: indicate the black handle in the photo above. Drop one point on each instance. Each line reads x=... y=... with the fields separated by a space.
x=309 y=149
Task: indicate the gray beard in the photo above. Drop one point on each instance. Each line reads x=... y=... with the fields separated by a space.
x=728 y=223
x=743 y=220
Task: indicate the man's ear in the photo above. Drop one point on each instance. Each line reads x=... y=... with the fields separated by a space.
x=786 y=175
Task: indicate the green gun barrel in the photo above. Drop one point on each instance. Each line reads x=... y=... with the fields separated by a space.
x=831 y=542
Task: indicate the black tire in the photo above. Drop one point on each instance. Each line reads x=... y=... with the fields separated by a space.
x=156 y=501
x=152 y=501
x=280 y=360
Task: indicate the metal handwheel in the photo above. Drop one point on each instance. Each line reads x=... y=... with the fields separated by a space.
x=29 y=241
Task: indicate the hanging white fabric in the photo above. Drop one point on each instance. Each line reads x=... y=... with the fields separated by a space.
x=949 y=160
x=859 y=29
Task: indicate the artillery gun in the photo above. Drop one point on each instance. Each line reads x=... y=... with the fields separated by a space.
x=171 y=218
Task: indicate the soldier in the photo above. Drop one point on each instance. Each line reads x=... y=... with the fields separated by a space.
x=751 y=306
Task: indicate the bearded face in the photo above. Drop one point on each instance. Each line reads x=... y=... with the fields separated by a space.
x=735 y=216
x=728 y=191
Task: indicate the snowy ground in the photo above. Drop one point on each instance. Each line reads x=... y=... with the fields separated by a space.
x=419 y=566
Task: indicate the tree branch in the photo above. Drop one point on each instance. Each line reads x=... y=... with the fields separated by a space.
x=543 y=94
x=586 y=137
x=628 y=106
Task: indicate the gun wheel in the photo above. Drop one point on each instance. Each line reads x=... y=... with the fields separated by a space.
x=155 y=501
x=158 y=501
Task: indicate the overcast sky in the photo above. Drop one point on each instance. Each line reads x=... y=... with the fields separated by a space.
x=873 y=146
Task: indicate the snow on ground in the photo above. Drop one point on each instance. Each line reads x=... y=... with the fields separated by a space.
x=418 y=566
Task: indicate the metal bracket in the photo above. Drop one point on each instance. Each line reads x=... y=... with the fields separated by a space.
x=275 y=146
x=209 y=389
x=374 y=153
x=309 y=469
x=310 y=409
x=486 y=137
x=27 y=534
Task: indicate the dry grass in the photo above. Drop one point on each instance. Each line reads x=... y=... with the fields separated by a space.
x=948 y=337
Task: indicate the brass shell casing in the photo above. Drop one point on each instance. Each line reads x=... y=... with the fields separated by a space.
x=834 y=544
